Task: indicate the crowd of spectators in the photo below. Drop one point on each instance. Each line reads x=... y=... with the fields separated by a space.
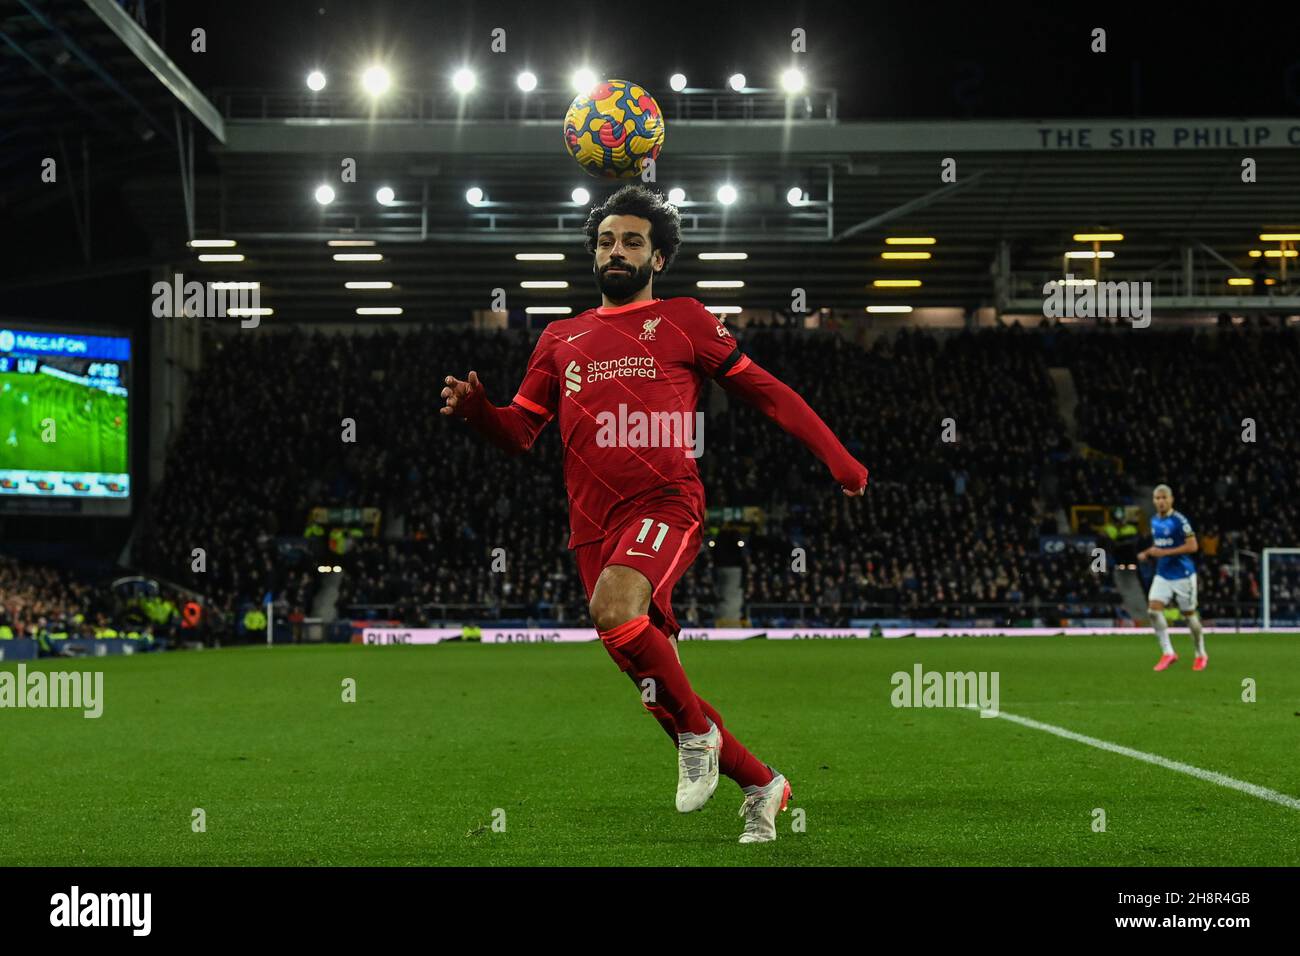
x=971 y=461
x=33 y=596
x=957 y=432
x=43 y=602
x=1216 y=415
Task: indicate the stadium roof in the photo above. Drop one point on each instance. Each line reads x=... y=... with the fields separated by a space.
x=865 y=182
x=1021 y=190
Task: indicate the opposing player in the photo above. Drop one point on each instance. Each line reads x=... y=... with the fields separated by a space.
x=636 y=504
x=1173 y=544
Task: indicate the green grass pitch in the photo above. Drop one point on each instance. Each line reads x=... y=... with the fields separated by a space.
x=85 y=440
x=441 y=737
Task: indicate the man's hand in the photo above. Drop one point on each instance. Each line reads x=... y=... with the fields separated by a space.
x=857 y=486
x=456 y=390
x=1152 y=552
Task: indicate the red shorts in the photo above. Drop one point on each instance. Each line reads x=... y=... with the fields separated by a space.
x=660 y=538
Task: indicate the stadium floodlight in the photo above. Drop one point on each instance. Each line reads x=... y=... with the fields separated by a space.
x=1089 y=254
x=897 y=283
x=376 y=80
x=883 y=309
x=583 y=79
x=539 y=256
x=792 y=80
x=1274 y=253
x=210 y=243
x=235 y=286
x=727 y=194
x=720 y=284
x=315 y=81
x=368 y=285
x=237 y=311
x=1099 y=237
x=526 y=81
x=379 y=310
x=1238 y=280
x=463 y=80
x=678 y=82
x=474 y=195
x=350 y=242
x=221 y=257
x=740 y=542
x=723 y=256
x=794 y=196
x=358 y=257
x=1073 y=281
x=724 y=309
x=1279 y=237
x=580 y=196
x=736 y=81
x=912 y=241
x=338 y=569
x=677 y=195
x=905 y=255
x=385 y=195
x=548 y=310
x=543 y=284
x=324 y=194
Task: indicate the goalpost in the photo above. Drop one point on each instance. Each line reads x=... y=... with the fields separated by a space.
x=1288 y=582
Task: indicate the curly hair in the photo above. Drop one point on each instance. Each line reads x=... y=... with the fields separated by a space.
x=637 y=200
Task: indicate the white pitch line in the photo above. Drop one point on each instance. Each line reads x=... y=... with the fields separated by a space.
x=1263 y=793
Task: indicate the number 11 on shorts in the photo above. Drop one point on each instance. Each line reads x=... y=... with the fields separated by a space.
x=646 y=524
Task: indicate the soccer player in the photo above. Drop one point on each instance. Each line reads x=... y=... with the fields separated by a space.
x=1173 y=544
x=636 y=504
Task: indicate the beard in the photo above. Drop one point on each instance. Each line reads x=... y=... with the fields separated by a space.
x=626 y=285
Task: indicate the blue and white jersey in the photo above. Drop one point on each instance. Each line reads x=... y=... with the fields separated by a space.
x=1170 y=532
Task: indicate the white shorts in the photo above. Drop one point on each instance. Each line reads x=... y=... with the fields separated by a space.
x=1182 y=589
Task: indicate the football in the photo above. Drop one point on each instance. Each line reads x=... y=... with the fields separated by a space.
x=612 y=127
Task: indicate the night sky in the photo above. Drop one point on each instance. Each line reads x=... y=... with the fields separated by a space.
x=918 y=60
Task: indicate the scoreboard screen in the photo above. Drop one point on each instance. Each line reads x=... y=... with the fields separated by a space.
x=64 y=416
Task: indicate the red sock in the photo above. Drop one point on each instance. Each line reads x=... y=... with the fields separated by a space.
x=737 y=762
x=643 y=651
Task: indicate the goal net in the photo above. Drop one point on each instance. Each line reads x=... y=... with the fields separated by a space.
x=1280 y=587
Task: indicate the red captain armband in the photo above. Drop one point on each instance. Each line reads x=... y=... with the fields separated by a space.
x=737 y=361
x=530 y=406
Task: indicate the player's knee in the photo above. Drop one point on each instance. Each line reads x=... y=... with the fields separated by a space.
x=609 y=611
x=621 y=594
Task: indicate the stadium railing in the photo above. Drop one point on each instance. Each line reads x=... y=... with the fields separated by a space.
x=417 y=106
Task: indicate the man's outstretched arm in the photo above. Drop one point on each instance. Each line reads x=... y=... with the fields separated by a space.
x=512 y=428
x=779 y=402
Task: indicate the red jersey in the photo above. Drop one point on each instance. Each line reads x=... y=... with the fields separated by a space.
x=623 y=383
x=595 y=372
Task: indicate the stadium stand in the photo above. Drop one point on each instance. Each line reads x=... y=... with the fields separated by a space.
x=949 y=529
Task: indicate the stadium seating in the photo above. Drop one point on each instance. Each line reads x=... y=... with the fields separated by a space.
x=947 y=527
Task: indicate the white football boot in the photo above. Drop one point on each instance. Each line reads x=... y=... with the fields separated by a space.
x=697 y=768
x=761 y=807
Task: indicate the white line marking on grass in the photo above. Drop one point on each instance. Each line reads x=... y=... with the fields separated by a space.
x=1263 y=793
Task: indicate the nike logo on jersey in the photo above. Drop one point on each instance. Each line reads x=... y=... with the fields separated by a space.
x=639 y=554
x=578 y=336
